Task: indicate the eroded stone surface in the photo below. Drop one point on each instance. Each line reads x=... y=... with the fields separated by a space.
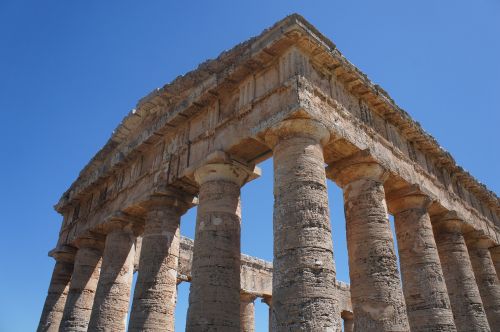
x=247 y=313
x=376 y=294
x=424 y=288
x=304 y=270
x=111 y=301
x=83 y=284
x=58 y=290
x=464 y=295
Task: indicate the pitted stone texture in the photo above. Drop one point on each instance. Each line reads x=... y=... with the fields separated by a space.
x=304 y=270
x=111 y=302
x=424 y=288
x=463 y=292
x=214 y=298
x=247 y=313
x=56 y=297
x=495 y=257
x=487 y=282
x=155 y=292
x=376 y=294
x=83 y=285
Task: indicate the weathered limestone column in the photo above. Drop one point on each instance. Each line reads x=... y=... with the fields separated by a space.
x=348 y=321
x=495 y=257
x=463 y=292
x=269 y=301
x=486 y=278
x=58 y=289
x=376 y=294
x=83 y=283
x=424 y=288
x=247 y=313
x=111 y=302
x=155 y=292
x=303 y=266
x=214 y=298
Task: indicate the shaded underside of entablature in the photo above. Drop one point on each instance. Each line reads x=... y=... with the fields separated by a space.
x=193 y=115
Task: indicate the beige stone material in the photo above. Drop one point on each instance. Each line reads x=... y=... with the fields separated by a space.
x=495 y=257
x=83 y=283
x=155 y=294
x=486 y=278
x=247 y=313
x=348 y=321
x=304 y=270
x=463 y=291
x=214 y=298
x=111 y=302
x=376 y=294
x=58 y=289
x=424 y=288
x=269 y=301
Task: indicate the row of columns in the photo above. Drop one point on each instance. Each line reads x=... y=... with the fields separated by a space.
x=447 y=284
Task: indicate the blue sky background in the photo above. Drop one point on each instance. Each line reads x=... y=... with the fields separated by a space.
x=70 y=70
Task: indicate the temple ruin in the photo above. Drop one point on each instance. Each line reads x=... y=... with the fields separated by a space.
x=291 y=95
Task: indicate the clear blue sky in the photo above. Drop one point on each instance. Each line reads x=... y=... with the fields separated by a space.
x=70 y=70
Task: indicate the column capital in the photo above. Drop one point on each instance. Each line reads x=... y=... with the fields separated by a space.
x=409 y=198
x=121 y=221
x=218 y=166
x=477 y=240
x=63 y=253
x=91 y=240
x=247 y=297
x=299 y=127
x=267 y=300
x=170 y=198
x=448 y=222
x=358 y=166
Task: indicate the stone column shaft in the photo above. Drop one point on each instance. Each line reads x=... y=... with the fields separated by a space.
x=487 y=280
x=495 y=257
x=247 y=313
x=463 y=292
x=303 y=266
x=111 y=302
x=83 y=284
x=155 y=292
x=376 y=293
x=424 y=288
x=348 y=322
x=214 y=298
x=58 y=290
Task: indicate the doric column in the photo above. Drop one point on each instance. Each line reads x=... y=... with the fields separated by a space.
x=486 y=278
x=83 y=283
x=214 y=298
x=348 y=321
x=376 y=293
x=463 y=292
x=58 y=289
x=424 y=288
x=247 y=313
x=303 y=266
x=155 y=291
x=111 y=302
x=269 y=301
x=495 y=257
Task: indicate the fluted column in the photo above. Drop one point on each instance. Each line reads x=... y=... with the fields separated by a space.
x=155 y=292
x=83 y=283
x=424 y=288
x=111 y=302
x=463 y=292
x=376 y=293
x=214 y=298
x=58 y=289
x=247 y=313
x=303 y=265
x=486 y=278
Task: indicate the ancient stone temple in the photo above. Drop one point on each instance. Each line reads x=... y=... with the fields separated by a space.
x=288 y=94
